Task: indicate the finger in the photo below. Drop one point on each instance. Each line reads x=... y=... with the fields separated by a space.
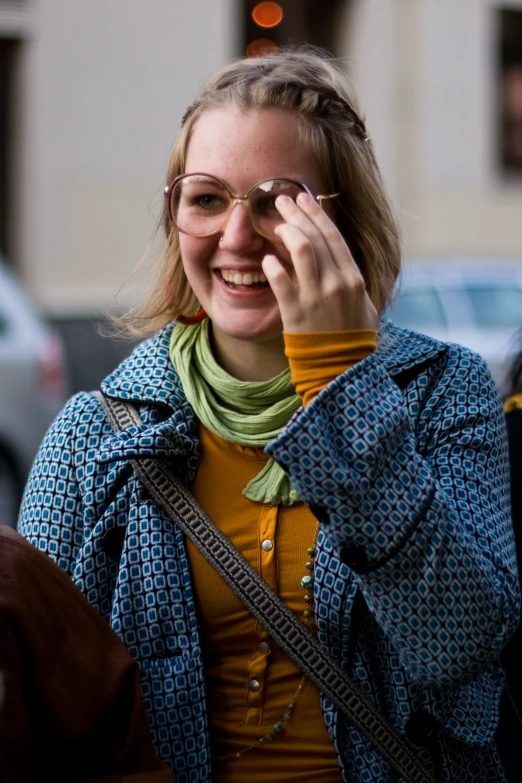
x=304 y=263
x=279 y=280
x=295 y=217
x=338 y=247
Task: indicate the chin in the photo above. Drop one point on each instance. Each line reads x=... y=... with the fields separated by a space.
x=248 y=329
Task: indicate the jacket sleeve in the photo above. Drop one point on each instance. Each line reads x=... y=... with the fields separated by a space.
x=53 y=513
x=512 y=653
x=420 y=515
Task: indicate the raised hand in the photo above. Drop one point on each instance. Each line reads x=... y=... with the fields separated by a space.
x=320 y=288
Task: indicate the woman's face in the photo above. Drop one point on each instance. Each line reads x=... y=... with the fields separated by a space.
x=242 y=148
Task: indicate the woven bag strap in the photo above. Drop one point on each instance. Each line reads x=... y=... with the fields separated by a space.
x=265 y=605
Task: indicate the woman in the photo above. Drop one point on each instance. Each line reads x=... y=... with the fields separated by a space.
x=383 y=474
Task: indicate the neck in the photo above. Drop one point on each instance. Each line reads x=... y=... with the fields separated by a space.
x=247 y=360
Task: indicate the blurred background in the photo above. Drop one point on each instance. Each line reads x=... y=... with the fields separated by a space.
x=91 y=98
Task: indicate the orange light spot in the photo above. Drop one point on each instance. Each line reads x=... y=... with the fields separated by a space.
x=267 y=14
x=259 y=47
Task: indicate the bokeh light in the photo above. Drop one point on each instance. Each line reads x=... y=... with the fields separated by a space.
x=260 y=46
x=267 y=14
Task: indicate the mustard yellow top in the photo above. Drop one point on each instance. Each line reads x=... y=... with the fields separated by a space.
x=250 y=681
x=513 y=403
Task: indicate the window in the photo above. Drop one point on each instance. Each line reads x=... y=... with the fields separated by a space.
x=418 y=308
x=510 y=92
x=303 y=21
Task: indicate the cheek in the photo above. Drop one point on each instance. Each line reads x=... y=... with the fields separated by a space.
x=195 y=255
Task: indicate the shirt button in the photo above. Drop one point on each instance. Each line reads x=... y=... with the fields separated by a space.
x=267 y=545
x=264 y=647
x=254 y=685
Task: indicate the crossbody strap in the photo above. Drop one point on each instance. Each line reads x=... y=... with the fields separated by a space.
x=265 y=605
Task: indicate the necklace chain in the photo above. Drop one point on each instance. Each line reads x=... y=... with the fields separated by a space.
x=307 y=582
x=276 y=729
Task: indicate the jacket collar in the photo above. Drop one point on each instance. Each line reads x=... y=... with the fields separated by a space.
x=401 y=349
x=170 y=428
x=148 y=375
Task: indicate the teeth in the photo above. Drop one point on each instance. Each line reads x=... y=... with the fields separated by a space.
x=249 y=278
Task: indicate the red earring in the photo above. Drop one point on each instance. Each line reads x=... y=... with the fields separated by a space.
x=191 y=320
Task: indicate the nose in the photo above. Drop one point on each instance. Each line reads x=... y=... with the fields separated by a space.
x=238 y=234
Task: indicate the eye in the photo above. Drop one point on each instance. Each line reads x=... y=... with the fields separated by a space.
x=205 y=201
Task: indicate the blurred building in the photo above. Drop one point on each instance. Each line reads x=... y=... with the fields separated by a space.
x=95 y=91
x=440 y=82
x=91 y=96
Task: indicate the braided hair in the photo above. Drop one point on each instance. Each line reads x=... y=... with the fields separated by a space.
x=307 y=82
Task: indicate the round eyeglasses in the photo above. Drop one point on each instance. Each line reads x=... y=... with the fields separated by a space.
x=200 y=204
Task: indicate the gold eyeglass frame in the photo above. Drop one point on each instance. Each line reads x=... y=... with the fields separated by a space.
x=236 y=199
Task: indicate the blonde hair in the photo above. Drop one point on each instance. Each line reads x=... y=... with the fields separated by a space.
x=307 y=82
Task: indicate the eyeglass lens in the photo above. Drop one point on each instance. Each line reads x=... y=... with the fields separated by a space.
x=200 y=205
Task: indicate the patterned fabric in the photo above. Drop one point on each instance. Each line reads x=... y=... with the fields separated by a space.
x=403 y=461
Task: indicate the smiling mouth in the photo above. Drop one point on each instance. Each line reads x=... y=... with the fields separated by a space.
x=252 y=280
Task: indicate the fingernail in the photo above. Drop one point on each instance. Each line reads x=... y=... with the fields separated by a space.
x=305 y=198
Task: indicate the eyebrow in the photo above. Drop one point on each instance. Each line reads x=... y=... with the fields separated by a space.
x=204 y=178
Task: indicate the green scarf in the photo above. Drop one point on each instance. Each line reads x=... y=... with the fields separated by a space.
x=252 y=414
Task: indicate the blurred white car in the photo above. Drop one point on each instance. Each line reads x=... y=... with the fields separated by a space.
x=474 y=302
x=33 y=388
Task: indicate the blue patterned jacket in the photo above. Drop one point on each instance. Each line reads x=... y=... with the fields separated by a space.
x=402 y=459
